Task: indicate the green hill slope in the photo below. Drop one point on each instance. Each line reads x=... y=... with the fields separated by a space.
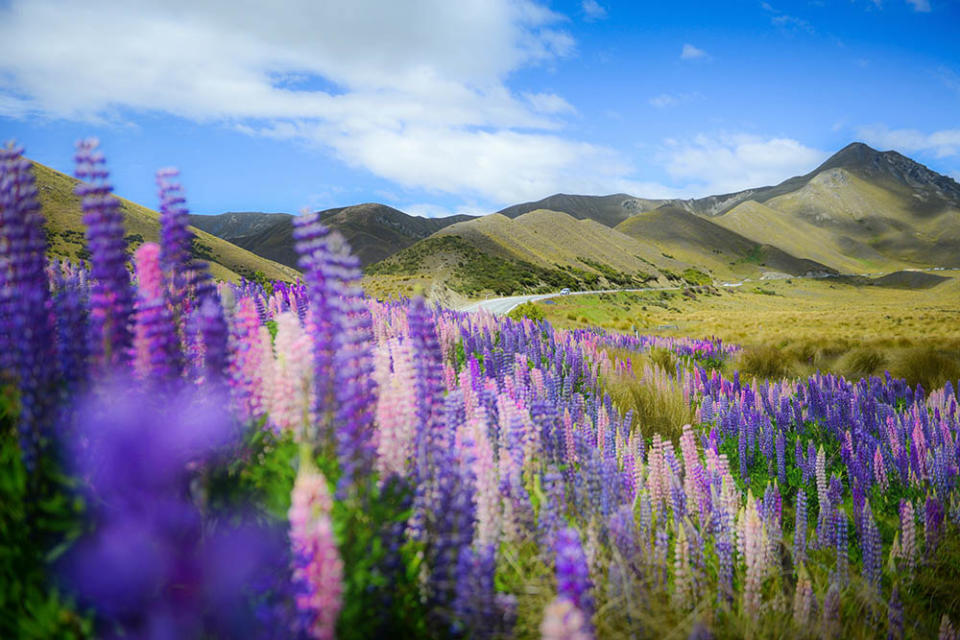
x=714 y=247
x=65 y=231
x=538 y=251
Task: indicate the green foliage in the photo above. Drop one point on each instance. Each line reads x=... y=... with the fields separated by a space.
x=260 y=278
x=40 y=517
x=201 y=250
x=526 y=310
x=376 y=605
x=259 y=475
x=695 y=277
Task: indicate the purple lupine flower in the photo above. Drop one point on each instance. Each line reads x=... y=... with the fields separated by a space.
x=841 y=571
x=70 y=311
x=800 y=529
x=872 y=548
x=573 y=573
x=549 y=517
x=474 y=608
x=781 y=445
x=895 y=616
x=450 y=527
x=111 y=296
x=28 y=338
x=933 y=515
x=428 y=385
x=831 y=611
x=341 y=343
x=151 y=562
x=176 y=239
x=623 y=536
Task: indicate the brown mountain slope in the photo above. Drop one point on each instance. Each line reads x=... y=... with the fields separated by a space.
x=374 y=231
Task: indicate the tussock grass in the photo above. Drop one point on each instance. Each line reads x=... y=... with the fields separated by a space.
x=862 y=362
x=764 y=361
x=651 y=391
x=927 y=366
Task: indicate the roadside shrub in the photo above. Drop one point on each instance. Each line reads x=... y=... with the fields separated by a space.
x=526 y=310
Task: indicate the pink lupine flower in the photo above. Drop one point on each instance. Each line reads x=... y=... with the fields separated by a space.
x=754 y=555
x=248 y=354
x=562 y=620
x=396 y=408
x=317 y=567
x=879 y=469
x=684 y=589
x=803 y=600
x=290 y=400
x=908 y=536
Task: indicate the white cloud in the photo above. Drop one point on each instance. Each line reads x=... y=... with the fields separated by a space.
x=922 y=6
x=711 y=165
x=690 y=52
x=665 y=100
x=943 y=143
x=548 y=103
x=413 y=92
x=592 y=10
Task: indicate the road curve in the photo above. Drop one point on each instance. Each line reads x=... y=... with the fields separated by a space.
x=502 y=306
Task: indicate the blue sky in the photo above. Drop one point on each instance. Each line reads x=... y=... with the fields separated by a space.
x=441 y=107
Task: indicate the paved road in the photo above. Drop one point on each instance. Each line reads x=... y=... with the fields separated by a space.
x=501 y=306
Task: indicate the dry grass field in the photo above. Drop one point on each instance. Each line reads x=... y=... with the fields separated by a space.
x=797 y=326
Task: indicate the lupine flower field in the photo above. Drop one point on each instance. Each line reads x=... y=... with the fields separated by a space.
x=185 y=458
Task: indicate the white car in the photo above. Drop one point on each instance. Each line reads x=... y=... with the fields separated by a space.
x=565 y=291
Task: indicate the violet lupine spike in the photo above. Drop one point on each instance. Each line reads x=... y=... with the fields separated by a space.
x=176 y=239
x=800 y=529
x=342 y=332
x=353 y=371
x=871 y=547
x=28 y=342
x=840 y=575
x=70 y=311
x=428 y=386
x=111 y=296
x=933 y=515
x=312 y=244
x=895 y=616
x=573 y=573
x=475 y=614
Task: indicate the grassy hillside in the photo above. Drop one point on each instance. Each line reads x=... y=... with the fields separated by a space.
x=850 y=224
x=539 y=251
x=65 y=231
x=719 y=250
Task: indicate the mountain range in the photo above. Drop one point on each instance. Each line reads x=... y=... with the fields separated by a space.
x=861 y=211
